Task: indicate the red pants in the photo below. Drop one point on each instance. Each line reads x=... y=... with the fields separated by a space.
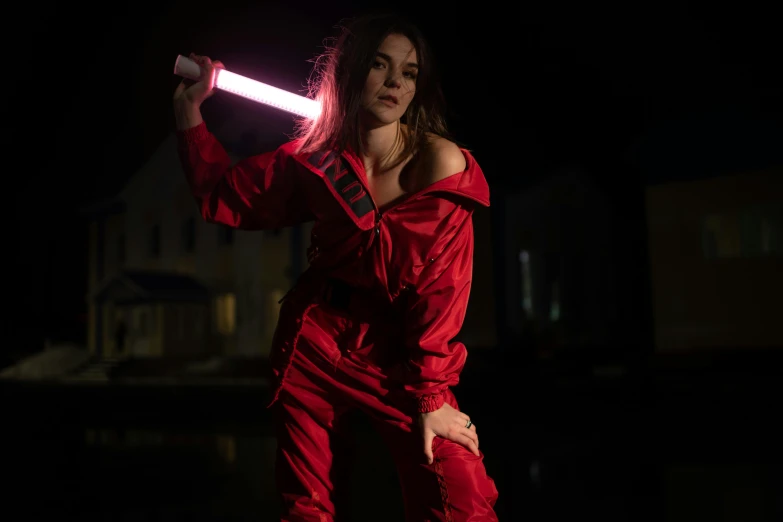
x=321 y=385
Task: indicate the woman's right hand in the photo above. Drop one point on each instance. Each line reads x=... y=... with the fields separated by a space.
x=192 y=93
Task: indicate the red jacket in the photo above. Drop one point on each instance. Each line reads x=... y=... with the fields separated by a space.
x=414 y=257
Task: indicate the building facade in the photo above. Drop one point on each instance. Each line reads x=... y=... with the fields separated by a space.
x=558 y=264
x=716 y=246
x=163 y=282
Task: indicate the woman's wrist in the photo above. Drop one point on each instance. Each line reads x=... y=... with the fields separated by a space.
x=187 y=115
x=430 y=403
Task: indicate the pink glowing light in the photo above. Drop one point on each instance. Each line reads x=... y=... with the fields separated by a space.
x=252 y=89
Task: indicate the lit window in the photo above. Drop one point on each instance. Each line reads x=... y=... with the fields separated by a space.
x=226 y=313
x=750 y=232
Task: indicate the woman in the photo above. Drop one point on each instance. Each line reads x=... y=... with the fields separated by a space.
x=370 y=324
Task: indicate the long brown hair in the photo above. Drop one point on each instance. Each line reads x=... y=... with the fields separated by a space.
x=338 y=79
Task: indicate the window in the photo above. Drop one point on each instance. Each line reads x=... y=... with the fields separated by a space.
x=751 y=232
x=761 y=231
x=189 y=235
x=225 y=235
x=771 y=237
x=154 y=241
x=226 y=313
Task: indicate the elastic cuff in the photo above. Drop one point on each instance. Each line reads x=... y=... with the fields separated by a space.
x=193 y=134
x=428 y=403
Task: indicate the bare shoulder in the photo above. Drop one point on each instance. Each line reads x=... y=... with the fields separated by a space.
x=444 y=158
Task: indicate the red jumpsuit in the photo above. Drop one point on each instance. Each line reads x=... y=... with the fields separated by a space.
x=369 y=325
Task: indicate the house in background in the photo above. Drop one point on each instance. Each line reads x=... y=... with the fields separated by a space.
x=714 y=210
x=163 y=282
x=681 y=255
x=558 y=263
x=715 y=258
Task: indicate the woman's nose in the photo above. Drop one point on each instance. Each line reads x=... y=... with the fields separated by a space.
x=393 y=80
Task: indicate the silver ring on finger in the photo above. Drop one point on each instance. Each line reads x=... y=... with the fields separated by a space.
x=469 y=424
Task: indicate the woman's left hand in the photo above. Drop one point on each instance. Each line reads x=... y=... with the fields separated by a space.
x=448 y=423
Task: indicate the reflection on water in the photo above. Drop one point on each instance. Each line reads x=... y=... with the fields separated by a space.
x=224 y=445
x=61 y=472
x=219 y=476
x=109 y=474
x=115 y=474
x=154 y=475
x=680 y=457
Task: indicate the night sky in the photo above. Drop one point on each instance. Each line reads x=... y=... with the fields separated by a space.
x=550 y=82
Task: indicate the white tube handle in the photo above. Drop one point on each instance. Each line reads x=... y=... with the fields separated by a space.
x=187 y=68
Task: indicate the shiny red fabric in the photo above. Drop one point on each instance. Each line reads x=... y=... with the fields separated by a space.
x=409 y=263
x=369 y=325
x=327 y=381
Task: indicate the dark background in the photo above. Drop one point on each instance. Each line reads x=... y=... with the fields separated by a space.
x=89 y=91
x=87 y=99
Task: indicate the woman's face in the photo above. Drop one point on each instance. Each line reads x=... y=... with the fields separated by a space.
x=391 y=83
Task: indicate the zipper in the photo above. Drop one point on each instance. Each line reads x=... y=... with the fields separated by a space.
x=378 y=217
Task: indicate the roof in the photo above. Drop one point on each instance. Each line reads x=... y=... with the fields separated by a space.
x=140 y=286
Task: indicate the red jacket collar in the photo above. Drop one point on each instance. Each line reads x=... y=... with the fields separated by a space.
x=470 y=183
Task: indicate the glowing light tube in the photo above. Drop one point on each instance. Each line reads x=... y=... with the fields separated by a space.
x=251 y=89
